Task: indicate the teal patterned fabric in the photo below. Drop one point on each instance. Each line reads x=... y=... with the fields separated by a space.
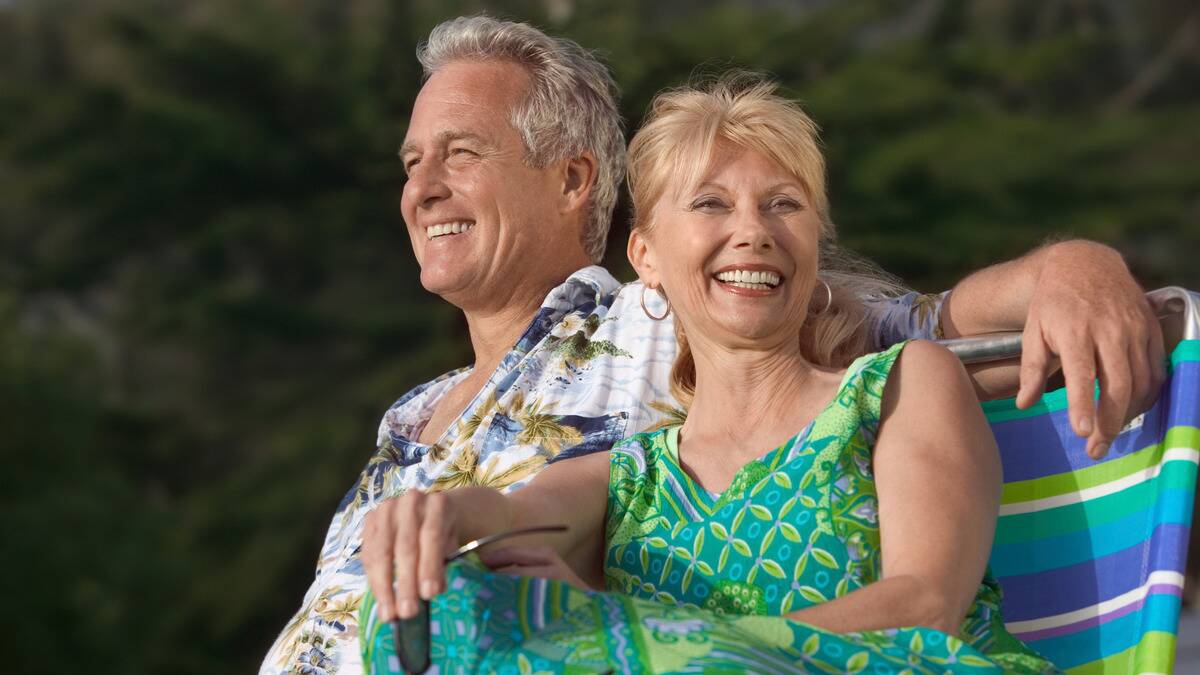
x=699 y=582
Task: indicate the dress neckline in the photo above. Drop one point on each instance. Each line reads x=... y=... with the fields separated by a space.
x=709 y=501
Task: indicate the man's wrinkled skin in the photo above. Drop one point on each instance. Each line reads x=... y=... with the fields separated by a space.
x=1082 y=311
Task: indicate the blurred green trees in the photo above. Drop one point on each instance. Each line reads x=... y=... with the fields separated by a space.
x=207 y=297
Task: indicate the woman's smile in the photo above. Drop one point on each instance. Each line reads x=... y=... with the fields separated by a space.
x=751 y=280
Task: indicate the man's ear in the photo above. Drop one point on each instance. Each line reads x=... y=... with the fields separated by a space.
x=642 y=258
x=579 y=180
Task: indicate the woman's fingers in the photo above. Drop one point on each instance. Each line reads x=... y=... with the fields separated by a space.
x=377 y=560
x=409 y=509
x=532 y=561
x=434 y=540
x=519 y=555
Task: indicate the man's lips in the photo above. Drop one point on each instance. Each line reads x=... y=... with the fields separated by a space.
x=448 y=227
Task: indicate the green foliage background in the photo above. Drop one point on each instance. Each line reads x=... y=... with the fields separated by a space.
x=207 y=297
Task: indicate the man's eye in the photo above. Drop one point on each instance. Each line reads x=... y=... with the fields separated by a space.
x=461 y=151
x=409 y=165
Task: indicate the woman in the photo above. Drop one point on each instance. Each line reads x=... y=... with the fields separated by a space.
x=859 y=541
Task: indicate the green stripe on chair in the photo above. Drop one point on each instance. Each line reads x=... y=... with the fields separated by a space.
x=1074 y=481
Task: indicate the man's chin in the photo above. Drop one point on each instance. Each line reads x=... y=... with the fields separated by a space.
x=449 y=284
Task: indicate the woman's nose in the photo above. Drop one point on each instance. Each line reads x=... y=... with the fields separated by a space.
x=753 y=232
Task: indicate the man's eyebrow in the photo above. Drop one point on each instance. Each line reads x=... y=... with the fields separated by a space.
x=446 y=137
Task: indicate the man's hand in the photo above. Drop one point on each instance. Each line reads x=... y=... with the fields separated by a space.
x=1087 y=312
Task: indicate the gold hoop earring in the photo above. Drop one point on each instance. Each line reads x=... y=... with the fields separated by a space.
x=828 y=298
x=647 y=311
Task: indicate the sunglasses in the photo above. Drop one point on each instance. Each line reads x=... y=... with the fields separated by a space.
x=412 y=634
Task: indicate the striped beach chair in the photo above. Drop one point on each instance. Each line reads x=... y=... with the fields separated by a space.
x=1091 y=554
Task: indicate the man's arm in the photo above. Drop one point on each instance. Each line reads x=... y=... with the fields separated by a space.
x=1078 y=306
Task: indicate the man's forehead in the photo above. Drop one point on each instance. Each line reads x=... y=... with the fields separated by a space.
x=466 y=99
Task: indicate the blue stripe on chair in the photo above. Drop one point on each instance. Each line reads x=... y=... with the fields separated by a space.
x=1077 y=547
x=1089 y=582
x=1035 y=447
x=1161 y=613
x=1044 y=445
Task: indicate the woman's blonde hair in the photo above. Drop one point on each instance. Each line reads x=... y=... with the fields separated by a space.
x=676 y=146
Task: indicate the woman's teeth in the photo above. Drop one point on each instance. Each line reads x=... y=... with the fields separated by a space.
x=447 y=228
x=760 y=281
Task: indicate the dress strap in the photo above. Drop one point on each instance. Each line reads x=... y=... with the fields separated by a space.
x=863 y=385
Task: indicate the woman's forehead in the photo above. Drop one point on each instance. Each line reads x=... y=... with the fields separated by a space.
x=726 y=163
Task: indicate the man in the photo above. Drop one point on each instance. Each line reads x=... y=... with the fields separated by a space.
x=514 y=154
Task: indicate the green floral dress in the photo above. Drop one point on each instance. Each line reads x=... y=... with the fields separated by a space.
x=697 y=582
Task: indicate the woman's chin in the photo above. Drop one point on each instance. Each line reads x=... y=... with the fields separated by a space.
x=749 y=331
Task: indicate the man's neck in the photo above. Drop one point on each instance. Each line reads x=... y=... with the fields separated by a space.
x=494 y=333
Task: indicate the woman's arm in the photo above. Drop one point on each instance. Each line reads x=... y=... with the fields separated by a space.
x=406 y=539
x=937 y=474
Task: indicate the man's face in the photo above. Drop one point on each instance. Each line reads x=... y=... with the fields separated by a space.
x=480 y=220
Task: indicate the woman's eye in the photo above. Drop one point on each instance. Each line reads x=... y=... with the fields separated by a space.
x=784 y=204
x=707 y=204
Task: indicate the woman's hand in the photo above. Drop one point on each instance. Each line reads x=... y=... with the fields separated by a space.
x=407 y=540
x=532 y=561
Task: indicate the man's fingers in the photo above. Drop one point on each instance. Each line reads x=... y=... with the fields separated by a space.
x=1115 y=388
x=1079 y=373
x=434 y=534
x=405 y=551
x=1156 y=351
x=1035 y=366
x=377 y=559
x=1141 y=380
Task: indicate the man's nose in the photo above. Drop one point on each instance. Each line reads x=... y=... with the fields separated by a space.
x=426 y=184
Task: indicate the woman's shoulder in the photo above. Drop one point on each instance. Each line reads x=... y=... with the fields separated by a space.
x=928 y=377
x=909 y=368
x=641 y=447
x=924 y=364
x=926 y=361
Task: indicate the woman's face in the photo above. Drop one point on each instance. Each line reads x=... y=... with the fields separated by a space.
x=736 y=255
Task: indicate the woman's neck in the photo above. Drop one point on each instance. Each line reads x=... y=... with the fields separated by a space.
x=743 y=396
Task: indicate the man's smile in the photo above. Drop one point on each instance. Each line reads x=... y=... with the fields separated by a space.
x=448 y=228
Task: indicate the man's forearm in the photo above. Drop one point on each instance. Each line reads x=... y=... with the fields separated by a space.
x=997 y=298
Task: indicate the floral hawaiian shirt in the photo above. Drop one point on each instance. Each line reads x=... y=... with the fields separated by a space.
x=591 y=369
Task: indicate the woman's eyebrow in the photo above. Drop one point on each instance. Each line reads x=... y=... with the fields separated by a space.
x=785 y=184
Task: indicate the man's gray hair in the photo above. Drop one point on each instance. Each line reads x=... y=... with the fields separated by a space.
x=571 y=106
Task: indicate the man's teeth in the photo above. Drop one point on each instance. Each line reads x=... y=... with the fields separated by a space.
x=749 y=279
x=447 y=228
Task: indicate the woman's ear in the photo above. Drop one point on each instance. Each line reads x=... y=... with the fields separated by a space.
x=579 y=180
x=642 y=258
